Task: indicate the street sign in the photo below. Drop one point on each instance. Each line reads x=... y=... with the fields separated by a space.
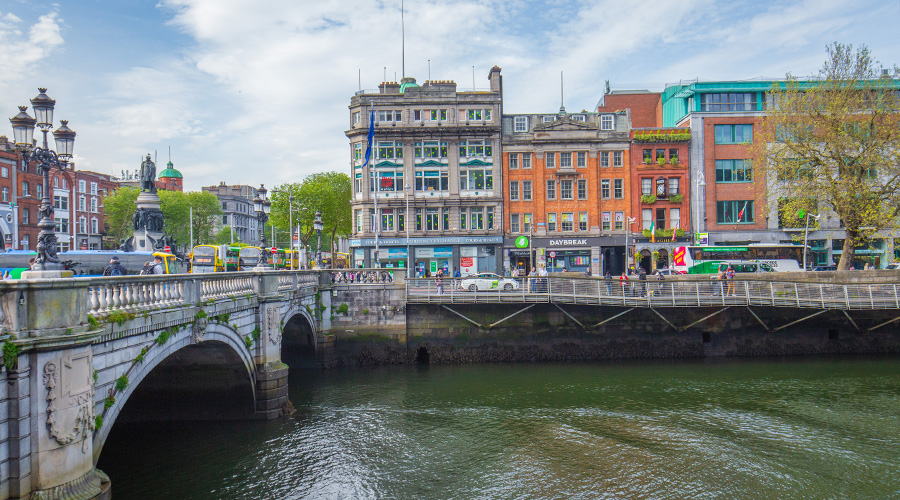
x=274 y=250
x=167 y=248
x=552 y=254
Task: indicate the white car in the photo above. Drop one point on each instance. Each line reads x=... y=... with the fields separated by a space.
x=487 y=281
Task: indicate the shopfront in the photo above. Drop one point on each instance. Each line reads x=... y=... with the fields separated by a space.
x=594 y=255
x=468 y=254
x=430 y=259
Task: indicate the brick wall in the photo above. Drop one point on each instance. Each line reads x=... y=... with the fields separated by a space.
x=646 y=110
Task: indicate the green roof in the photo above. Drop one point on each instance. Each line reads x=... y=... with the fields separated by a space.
x=170 y=171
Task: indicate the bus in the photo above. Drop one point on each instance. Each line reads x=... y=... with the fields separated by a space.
x=93 y=262
x=232 y=258
x=341 y=260
x=207 y=259
x=279 y=259
x=782 y=257
x=248 y=257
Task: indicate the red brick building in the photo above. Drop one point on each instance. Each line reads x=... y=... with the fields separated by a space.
x=20 y=195
x=644 y=105
x=660 y=196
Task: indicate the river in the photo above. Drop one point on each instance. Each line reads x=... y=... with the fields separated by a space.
x=772 y=428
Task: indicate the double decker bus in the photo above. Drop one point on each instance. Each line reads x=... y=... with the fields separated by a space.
x=248 y=257
x=782 y=257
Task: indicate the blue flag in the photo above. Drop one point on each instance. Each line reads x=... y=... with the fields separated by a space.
x=370 y=137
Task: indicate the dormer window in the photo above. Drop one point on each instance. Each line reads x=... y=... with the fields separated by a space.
x=521 y=124
x=606 y=122
x=578 y=118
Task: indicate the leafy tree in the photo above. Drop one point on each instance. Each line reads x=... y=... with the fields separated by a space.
x=224 y=237
x=835 y=139
x=118 y=209
x=328 y=192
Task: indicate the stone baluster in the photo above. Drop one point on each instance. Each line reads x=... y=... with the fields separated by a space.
x=102 y=298
x=127 y=295
x=94 y=299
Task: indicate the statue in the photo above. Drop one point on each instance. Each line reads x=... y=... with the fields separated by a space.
x=148 y=175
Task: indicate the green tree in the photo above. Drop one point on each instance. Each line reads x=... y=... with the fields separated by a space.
x=835 y=139
x=328 y=192
x=118 y=210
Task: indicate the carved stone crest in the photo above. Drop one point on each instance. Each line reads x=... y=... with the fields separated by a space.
x=198 y=329
x=272 y=325
x=70 y=398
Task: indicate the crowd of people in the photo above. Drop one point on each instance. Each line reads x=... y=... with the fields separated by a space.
x=352 y=276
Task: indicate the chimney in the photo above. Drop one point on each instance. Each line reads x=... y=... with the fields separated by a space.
x=389 y=88
x=496 y=79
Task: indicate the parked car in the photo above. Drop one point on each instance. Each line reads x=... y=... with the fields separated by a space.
x=893 y=265
x=667 y=272
x=487 y=281
x=824 y=268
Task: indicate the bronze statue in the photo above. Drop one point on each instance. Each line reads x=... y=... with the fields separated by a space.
x=148 y=175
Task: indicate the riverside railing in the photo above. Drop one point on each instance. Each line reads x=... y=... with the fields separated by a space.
x=652 y=293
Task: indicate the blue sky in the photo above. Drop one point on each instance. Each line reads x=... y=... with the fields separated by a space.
x=249 y=91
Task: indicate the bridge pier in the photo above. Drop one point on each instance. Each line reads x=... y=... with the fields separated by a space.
x=271 y=373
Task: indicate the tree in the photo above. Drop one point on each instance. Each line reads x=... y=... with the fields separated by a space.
x=328 y=192
x=118 y=209
x=224 y=237
x=833 y=142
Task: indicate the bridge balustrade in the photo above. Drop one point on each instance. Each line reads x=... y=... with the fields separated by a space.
x=652 y=293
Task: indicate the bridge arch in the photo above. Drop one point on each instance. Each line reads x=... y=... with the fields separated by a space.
x=296 y=320
x=227 y=344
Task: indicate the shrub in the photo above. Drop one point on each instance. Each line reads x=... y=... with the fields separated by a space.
x=121 y=383
x=676 y=198
x=249 y=341
x=93 y=321
x=648 y=198
x=109 y=402
x=343 y=309
x=163 y=337
x=365 y=311
x=673 y=161
x=98 y=422
x=661 y=161
x=10 y=355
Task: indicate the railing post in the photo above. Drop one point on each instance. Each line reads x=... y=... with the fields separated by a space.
x=192 y=291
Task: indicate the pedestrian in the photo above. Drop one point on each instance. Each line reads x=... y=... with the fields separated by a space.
x=515 y=272
x=114 y=268
x=439 y=281
x=642 y=278
x=659 y=282
x=532 y=283
x=542 y=283
x=147 y=269
x=729 y=275
x=623 y=280
x=608 y=283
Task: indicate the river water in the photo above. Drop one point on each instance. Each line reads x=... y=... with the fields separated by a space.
x=797 y=428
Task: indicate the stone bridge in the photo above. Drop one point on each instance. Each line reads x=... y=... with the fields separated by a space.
x=75 y=351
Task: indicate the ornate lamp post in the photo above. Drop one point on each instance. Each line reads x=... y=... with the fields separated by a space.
x=262 y=206
x=46 y=159
x=318 y=226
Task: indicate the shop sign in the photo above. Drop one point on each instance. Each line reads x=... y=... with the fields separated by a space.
x=434 y=252
x=468 y=265
x=701 y=238
x=522 y=242
x=442 y=240
x=556 y=243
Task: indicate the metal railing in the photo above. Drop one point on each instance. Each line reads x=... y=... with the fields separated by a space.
x=652 y=293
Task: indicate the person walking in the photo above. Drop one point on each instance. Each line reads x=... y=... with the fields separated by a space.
x=729 y=275
x=608 y=283
x=642 y=279
x=439 y=281
x=659 y=282
x=623 y=280
x=114 y=268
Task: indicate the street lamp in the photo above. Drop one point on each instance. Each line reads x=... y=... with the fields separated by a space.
x=46 y=159
x=318 y=226
x=262 y=206
x=406 y=219
x=627 y=232
x=806 y=236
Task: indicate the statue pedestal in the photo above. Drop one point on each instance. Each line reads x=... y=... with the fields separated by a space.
x=148 y=220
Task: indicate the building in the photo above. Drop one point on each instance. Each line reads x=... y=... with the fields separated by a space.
x=88 y=219
x=170 y=179
x=645 y=106
x=660 y=193
x=237 y=211
x=21 y=190
x=433 y=188
x=567 y=192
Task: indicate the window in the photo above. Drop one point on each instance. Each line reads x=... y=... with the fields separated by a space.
x=582 y=221
x=514 y=223
x=25 y=215
x=565 y=160
x=5 y=195
x=61 y=202
x=660 y=218
x=64 y=183
x=551 y=222
x=734 y=134
x=646 y=218
x=431 y=180
x=734 y=212
x=551 y=190
x=39 y=189
x=513 y=161
x=526 y=223
x=646 y=186
x=224 y=219
x=734 y=171
x=62 y=225
x=475 y=147
x=401 y=219
x=673 y=186
x=606 y=122
x=617 y=158
x=490 y=217
x=728 y=102
x=356 y=117
x=526 y=190
x=94 y=188
x=547 y=118
x=4 y=172
x=604 y=158
x=648 y=156
x=82 y=224
x=431 y=219
x=581 y=159
x=478 y=114
x=568 y=221
x=674 y=218
x=359 y=222
x=82 y=203
x=389 y=149
x=521 y=124
x=437 y=114
x=26 y=241
x=673 y=155
x=604 y=189
x=551 y=160
x=445 y=219
x=419 y=219
x=224 y=205
x=387 y=116
x=582 y=189
x=526 y=160
x=660 y=153
x=56 y=182
x=565 y=190
x=463 y=217
x=417 y=115
x=24 y=188
x=357 y=151
x=95 y=225
x=476 y=178
x=618 y=188
x=514 y=190
x=578 y=118
x=430 y=149
x=620 y=221
x=607 y=220
x=94 y=205
x=385 y=181
x=82 y=186
x=387 y=219
x=477 y=218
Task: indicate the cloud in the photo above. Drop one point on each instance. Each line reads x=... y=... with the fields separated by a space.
x=21 y=52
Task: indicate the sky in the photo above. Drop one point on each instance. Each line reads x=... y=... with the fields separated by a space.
x=253 y=91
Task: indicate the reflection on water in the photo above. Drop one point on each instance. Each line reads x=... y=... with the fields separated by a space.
x=821 y=428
